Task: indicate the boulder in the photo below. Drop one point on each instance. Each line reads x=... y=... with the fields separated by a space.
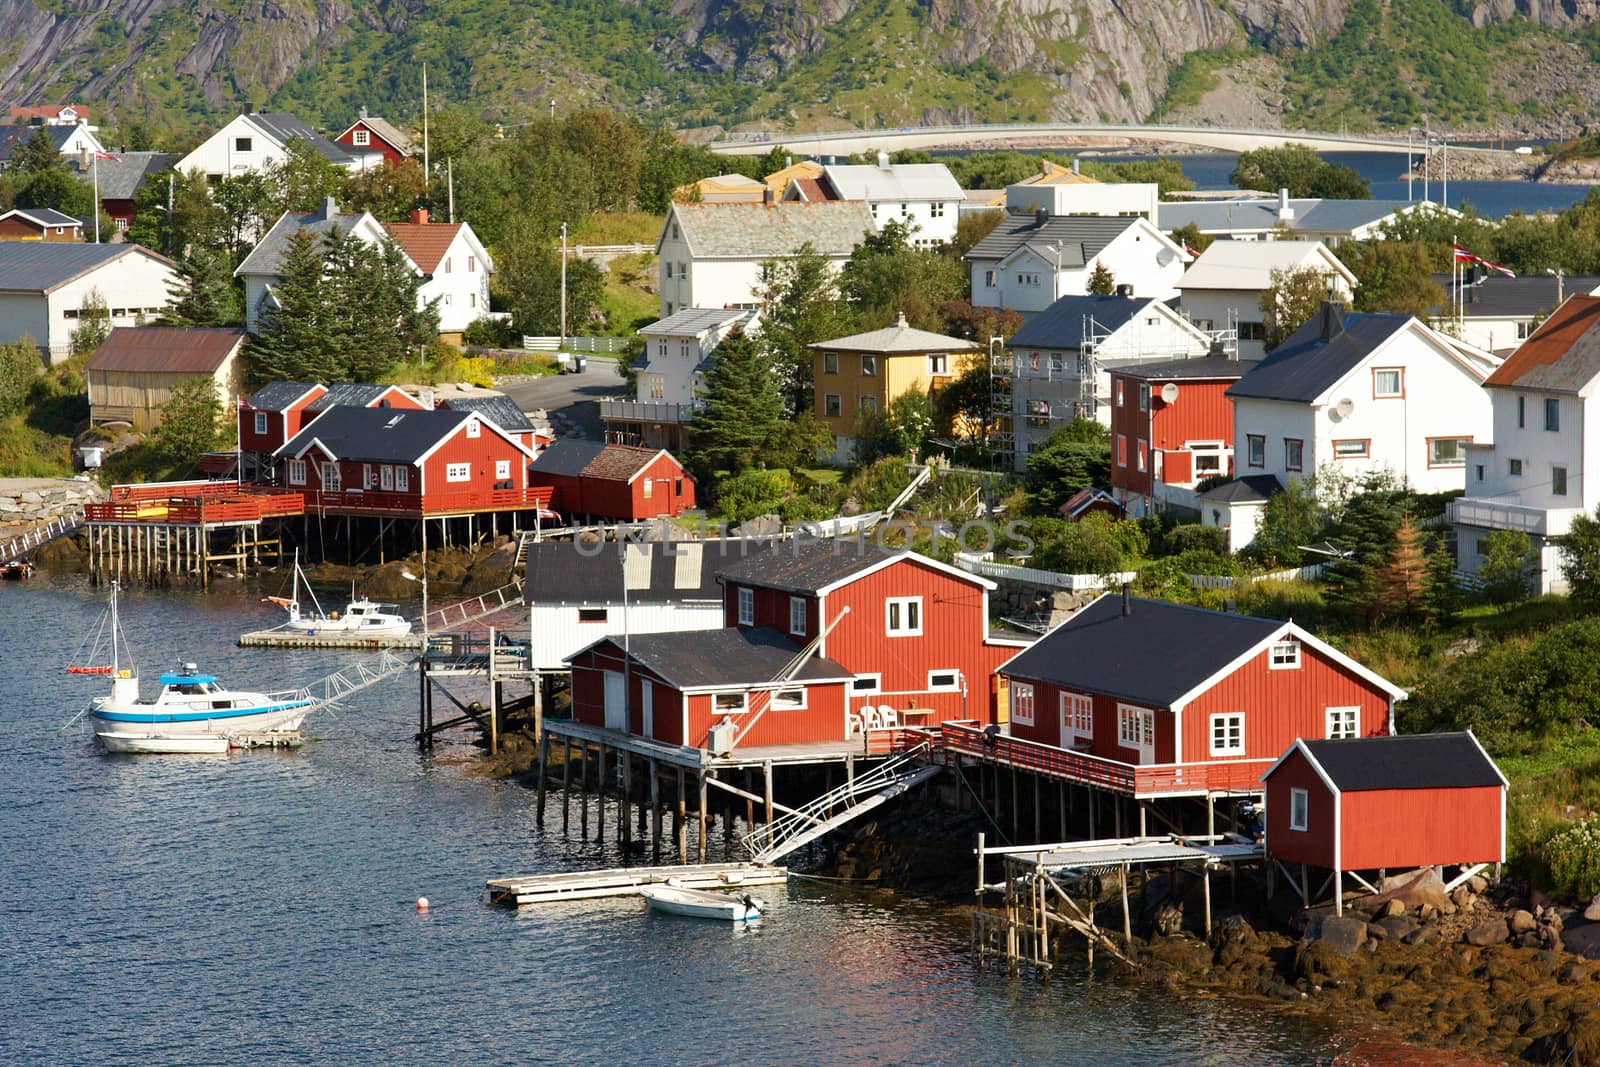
x=1376 y=932
x=1168 y=919
x=1462 y=898
x=1392 y=907
x=1572 y=973
x=1493 y=932
x=1592 y=911
x=1343 y=933
x=1397 y=926
x=1477 y=883
x=1522 y=922
x=1420 y=936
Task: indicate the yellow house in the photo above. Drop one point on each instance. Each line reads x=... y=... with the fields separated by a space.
x=858 y=376
x=1049 y=174
x=778 y=181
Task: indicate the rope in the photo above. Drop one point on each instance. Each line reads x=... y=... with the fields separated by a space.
x=981 y=805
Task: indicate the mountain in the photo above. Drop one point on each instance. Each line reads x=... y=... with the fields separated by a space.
x=1516 y=66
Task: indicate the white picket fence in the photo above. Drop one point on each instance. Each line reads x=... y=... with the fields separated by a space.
x=988 y=568
x=533 y=343
x=1228 y=581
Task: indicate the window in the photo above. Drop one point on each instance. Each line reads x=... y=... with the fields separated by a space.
x=1523 y=330
x=1077 y=716
x=675 y=234
x=1028 y=280
x=727 y=703
x=1552 y=414
x=386 y=477
x=649 y=488
x=1299 y=808
x=943 y=681
x=402 y=479
x=1352 y=449
x=297 y=472
x=1122 y=450
x=685 y=349
x=1058 y=363
x=474 y=428
x=1343 y=722
x=1480 y=472
x=1033 y=361
x=1293 y=453
x=869 y=366
x=458 y=472
x=661 y=348
x=1256 y=449
x=830 y=363
x=261 y=422
x=905 y=211
x=1207 y=463
x=938 y=364
x=1144 y=455
x=677 y=487
x=472 y=264
x=447 y=264
x=1522 y=412
x=361 y=138
x=1136 y=728
x=330 y=477
x=989 y=278
x=831 y=405
x=1558 y=481
x=1116 y=390
x=1514 y=468
x=1252 y=331
x=797 y=615
x=241 y=144
x=866 y=683
x=1227 y=734
x=789 y=700
x=1022 y=703
x=1388 y=381
x=1285 y=655
x=868 y=404
x=658 y=386
x=122 y=224
x=747 y=606
x=502 y=469
x=1144 y=396
x=1448 y=451
x=591 y=614
x=936 y=210
x=369 y=477
x=903 y=616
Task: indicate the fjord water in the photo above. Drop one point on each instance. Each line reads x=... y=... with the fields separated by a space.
x=259 y=908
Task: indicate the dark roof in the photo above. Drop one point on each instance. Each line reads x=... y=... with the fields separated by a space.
x=1198 y=369
x=1562 y=355
x=560 y=572
x=1061 y=324
x=1081 y=237
x=1151 y=656
x=1318 y=354
x=1410 y=761
x=573 y=458
x=1252 y=487
x=736 y=656
x=165 y=349
x=13 y=138
x=284 y=127
x=44 y=216
x=267 y=256
x=121 y=176
x=348 y=394
x=41 y=266
x=497 y=408
x=568 y=456
x=807 y=565
x=276 y=396
x=1499 y=297
x=386 y=435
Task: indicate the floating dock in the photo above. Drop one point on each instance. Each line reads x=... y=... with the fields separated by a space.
x=268 y=739
x=627 y=881
x=280 y=638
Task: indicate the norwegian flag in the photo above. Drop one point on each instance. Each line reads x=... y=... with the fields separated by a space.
x=1464 y=256
x=1189 y=250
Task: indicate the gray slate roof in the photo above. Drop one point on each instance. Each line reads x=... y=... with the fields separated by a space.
x=497 y=408
x=1198 y=369
x=1318 y=354
x=898 y=181
x=276 y=396
x=42 y=266
x=355 y=394
x=1311 y=214
x=762 y=231
x=804 y=565
x=397 y=138
x=1250 y=489
x=1152 y=656
x=560 y=572
x=13 y=138
x=1079 y=237
x=569 y=456
x=733 y=657
x=693 y=322
x=1061 y=324
x=122 y=176
x=1409 y=761
x=384 y=435
x=284 y=127
x=267 y=256
x=1498 y=297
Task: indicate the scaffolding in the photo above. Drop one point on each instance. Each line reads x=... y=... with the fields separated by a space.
x=1001 y=431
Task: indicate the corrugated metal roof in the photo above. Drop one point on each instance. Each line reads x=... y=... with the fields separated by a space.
x=1310 y=214
x=42 y=266
x=1318 y=354
x=1248 y=265
x=1408 y=761
x=693 y=322
x=561 y=572
x=388 y=131
x=761 y=231
x=736 y=656
x=897 y=181
x=1562 y=355
x=165 y=349
x=1088 y=234
x=1524 y=297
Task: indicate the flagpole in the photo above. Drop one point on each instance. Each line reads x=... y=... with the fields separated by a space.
x=95 y=168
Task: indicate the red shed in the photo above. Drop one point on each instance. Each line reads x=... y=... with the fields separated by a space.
x=1171 y=424
x=613 y=481
x=1372 y=803
x=674 y=687
x=274 y=413
x=378 y=135
x=1153 y=698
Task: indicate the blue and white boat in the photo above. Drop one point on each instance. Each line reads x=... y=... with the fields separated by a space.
x=193 y=712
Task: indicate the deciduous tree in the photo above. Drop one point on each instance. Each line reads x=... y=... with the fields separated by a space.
x=1504 y=568
x=1101 y=281
x=800 y=307
x=1580 y=561
x=1291 y=300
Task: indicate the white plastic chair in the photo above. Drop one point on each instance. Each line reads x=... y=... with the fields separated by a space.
x=852 y=724
x=889 y=717
x=869 y=717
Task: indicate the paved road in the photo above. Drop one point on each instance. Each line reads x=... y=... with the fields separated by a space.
x=570 y=399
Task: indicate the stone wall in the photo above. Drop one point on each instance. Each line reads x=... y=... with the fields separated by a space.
x=28 y=503
x=1036 y=603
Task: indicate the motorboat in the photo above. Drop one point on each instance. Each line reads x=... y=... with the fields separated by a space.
x=361 y=617
x=15 y=570
x=701 y=903
x=193 y=712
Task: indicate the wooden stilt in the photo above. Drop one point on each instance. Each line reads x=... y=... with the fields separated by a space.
x=566 y=784
x=1062 y=792
x=624 y=824
x=583 y=791
x=1205 y=885
x=701 y=819
x=544 y=771
x=1142 y=832
x=766 y=775
x=1338 y=892
x=1127 y=920
x=1305 y=887
x=1038 y=810
x=600 y=795
x=682 y=822
x=655 y=812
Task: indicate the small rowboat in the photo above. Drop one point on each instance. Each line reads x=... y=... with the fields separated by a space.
x=702 y=903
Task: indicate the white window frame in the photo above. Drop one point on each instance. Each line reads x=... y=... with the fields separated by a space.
x=953 y=686
x=1343 y=722
x=474 y=428
x=1022 y=703
x=747 y=606
x=938 y=364
x=1141 y=737
x=869 y=366
x=402 y=479
x=458 y=472
x=1284 y=655
x=331 y=481
x=830 y=363
x=360 y=138
x=649 y=488
x=857 y=689
x=1231 y=727
x=386 y=477
x=897 y=615
x=261 y=423
x=718 y=709
x=502 y=469
x=797 y=616
x=1077 y=717
x=369 y=477
x=783 y=700
x=1399 y=382
x=297 y=472
x=1299 y=809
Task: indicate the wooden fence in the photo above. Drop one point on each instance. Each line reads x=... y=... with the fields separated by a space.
x=612 y=345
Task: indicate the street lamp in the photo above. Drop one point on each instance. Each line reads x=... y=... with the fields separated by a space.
x=1560 y=277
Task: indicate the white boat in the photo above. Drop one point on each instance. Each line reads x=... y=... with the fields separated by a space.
x=702 y=903
x=361 y=617
x=192 y=713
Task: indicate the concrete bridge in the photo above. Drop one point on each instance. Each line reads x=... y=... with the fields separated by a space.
x=1046 y=135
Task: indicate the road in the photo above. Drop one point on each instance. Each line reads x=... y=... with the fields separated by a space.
x=571 y=400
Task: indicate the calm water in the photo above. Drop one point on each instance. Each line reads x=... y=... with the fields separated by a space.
x=259 y=909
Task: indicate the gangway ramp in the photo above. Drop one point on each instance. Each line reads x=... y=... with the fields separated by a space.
x=24 y=543
x=627 y=881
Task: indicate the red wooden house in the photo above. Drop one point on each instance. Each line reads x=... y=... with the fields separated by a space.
x=1171 y=424
x=386 y=461
x=378 y=135
x=1151 y=698
x=278 y=411
x=613 y=481
x=1394 y=803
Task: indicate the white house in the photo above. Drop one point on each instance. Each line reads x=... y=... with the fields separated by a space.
x=263 y=267
x=1061 y=358
x=925 y=197
x=1237 y=506
x=1251 y=218
x=1355 y=393
x=1028 y=262
x=1497 y=314
x=455 y=269
x=670 y=376
x=1084 y=197
x=1222 y=289
x=1532 y=478
x=44 y=286
x=73 y=141
x=252 y=141
x=713 y=255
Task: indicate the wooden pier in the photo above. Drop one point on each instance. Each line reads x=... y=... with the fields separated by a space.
x=627 y=881
x=268 y=739
x=280 y=637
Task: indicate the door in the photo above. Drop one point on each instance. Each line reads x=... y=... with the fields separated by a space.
x=647 y=714
x=1136 y=729
x=616 y=704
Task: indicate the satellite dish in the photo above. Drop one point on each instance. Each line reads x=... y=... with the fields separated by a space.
x=1169 y=392
x=1344 y=407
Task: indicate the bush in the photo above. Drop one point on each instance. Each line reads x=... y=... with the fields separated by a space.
x=491 y=333
x=1195 y=537
x=1096 y=544
x=1573 y=859
x=753 y=492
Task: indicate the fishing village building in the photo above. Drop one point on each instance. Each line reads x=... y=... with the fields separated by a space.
x=618 y=482
x=136 y=369
x=1171 y=428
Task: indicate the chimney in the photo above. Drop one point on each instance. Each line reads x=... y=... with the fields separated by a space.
x=419 y=215
x=363 y=111
x=1330 y=320
x=883 y=161
x=1125 y=291
x=788 y=161
x=1075 y=165
x=1041 y=216
x=1044 y=168
x=1285 y=212
x=768 y=196
x=900 y=320
x=1127 y=602
x=426 y=396
x=83 y=159
x=330 y=208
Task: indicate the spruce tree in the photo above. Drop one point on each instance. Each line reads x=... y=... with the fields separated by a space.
x=801 y=306
x=1366 y=531
x=204 y=293
x=1441 y=596
x=743 y=412
x=295 y=342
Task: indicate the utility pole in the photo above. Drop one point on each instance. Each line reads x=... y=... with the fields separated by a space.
x=563 y=282
x=426 y=172
x=170 y=178
x=450 y=179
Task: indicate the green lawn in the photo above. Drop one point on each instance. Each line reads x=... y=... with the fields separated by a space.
x=619 y=228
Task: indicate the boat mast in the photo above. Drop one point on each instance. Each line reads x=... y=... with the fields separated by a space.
x=116 y=630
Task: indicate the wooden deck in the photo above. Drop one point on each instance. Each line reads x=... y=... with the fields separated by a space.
x=281 y=638
x=627 y=881
x=872 y=745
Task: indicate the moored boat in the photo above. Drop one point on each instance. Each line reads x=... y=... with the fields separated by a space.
x=702 y=903
x=361 y=617
x=15 y=570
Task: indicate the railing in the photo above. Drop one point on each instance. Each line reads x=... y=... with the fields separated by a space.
x=59 y=526
x=1504 y=515
x=770 y=840
x=547 y=343
x=169 y=490
x=434 y=503
x=647 y=411
x=609 y=251
x=974 y=564
x=447 y=618
x=1229 y=581
x=191 y=511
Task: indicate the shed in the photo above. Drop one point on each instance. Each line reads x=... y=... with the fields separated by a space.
x=613 y=481
x=1373 y=803
x=136 y=369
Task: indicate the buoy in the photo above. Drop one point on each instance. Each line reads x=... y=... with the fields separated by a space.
x=422 y=903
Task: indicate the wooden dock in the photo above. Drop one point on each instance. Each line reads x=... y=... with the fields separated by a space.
x=282 y=638
x=268 y=739
x=627 y=881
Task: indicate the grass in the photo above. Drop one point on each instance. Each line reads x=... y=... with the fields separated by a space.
x=629 y=302
x=29 y=452
x=619 y=228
